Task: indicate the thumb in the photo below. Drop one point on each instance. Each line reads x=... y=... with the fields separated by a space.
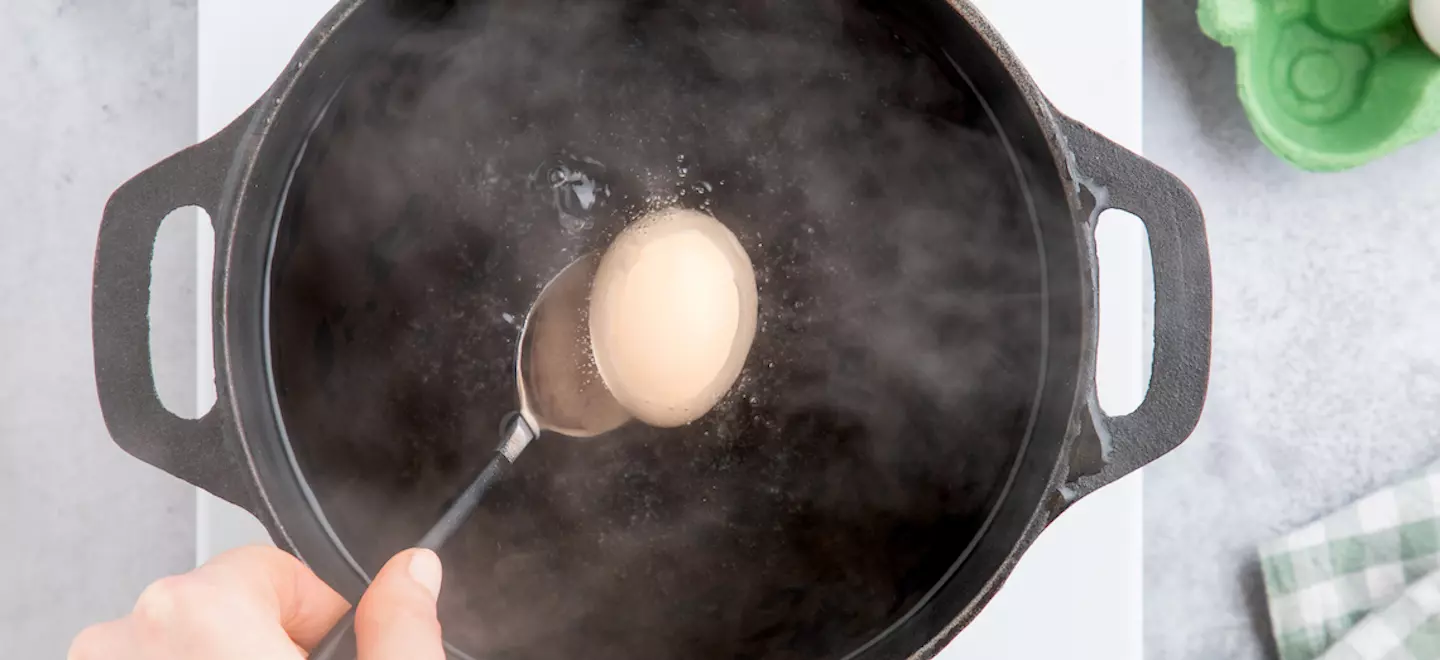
x=396 y=618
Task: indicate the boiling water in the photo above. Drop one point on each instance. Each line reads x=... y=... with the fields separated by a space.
x=893 y=369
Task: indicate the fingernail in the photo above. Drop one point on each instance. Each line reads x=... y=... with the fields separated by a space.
x=425 y=569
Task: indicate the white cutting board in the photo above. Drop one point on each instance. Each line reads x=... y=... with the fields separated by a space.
x=1077 y=592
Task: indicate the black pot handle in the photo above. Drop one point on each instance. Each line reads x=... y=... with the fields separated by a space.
x=193 y=450
x=1112 y=177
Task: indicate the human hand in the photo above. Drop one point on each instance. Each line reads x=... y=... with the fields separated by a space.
x=261 y=603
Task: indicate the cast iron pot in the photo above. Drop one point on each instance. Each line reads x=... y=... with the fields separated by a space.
x=920 y=401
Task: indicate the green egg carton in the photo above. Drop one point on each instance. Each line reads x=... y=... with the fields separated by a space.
x=1329 y=84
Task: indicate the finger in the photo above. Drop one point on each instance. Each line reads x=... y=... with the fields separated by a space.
x=396 y=617
x=301 y=602
x=113 y=640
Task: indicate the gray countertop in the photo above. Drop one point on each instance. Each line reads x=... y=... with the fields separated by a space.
x=1326 y=372
x=94 y=91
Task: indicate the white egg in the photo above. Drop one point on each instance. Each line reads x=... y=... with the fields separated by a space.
x=1427 y=21
x=672 y=315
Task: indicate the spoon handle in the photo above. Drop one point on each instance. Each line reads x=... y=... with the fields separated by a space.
x=465 y=504
x=339 y=642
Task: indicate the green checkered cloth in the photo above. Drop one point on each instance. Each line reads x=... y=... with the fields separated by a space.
x=1362 y=583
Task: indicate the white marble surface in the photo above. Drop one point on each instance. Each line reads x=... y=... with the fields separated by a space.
x=93 y=93
x=1326 y=374
x=1081 y=581
x=243 y=45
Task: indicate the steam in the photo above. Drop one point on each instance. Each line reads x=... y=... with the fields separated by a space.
x=885 y=395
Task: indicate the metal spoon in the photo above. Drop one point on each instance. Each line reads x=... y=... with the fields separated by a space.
x=560 y=391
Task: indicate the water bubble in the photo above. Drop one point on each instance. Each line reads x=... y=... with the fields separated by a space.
x=574 y=224
x=576 y=189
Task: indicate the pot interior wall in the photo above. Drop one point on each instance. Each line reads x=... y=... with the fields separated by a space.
x=891 y=385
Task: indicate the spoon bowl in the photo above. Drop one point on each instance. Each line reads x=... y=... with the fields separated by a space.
x=559 y=385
